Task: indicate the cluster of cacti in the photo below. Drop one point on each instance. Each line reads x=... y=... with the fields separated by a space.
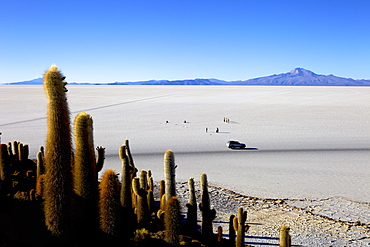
x=17 y=171
x=76 y=209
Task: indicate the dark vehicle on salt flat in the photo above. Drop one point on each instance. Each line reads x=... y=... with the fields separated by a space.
x=235 y=144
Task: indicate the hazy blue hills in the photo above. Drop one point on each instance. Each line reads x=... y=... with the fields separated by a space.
x=303 y=77
x=296 y=77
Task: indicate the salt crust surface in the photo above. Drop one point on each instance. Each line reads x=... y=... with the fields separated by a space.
x=311 y=170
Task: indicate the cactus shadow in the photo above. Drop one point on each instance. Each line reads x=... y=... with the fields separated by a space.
x=252 y=240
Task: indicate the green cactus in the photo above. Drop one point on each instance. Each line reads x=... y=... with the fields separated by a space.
x=109 y=204
x=58 y=156
x=172 y=221
x=240 y=227
x=208 y=214
x=169 y=174
x=285 y=239
x=191 y=219
x=142 y=209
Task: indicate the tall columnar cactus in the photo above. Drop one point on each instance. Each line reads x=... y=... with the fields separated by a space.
x=126 y=197
x=26 y=151
x=85 y=179
x=109 y=204
x=285 y=239
x=240 y=227
x=172 y=221
x=208 y=214
x=40 y=166
x=58 y=156
x=142 y=209
x=84 y=170
x=143 y=179
x=232 y=234
x=191 y=219
x=5 y=170
x=169 y=174
x=162 y=188
x=10 y=149
x=21 y=156
x=150 y=196
x=130 y=159
x=15 y=150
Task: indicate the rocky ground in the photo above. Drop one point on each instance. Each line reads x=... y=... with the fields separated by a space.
x=323 y=222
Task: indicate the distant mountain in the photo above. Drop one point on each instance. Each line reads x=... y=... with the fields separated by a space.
x=37 y=81
x=296 y=77
x=175 y=82
x=303 y=77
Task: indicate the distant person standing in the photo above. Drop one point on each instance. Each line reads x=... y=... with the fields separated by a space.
x=206 y=129
x=217 y=130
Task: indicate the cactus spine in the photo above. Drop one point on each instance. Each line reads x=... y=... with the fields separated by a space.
x=240 y=227
x=169 y=174
x=208 y=214
x=58 y=179
x=172 y=221
x=109 y=204
x=191 y=219
x=285 y=240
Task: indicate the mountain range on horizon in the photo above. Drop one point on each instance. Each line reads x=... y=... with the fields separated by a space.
x=295 y=77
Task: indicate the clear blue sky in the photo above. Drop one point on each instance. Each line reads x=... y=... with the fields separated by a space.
x=107 y=41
